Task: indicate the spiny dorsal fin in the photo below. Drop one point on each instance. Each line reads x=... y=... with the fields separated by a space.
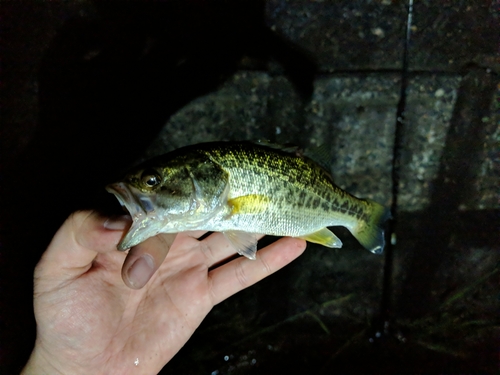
x=321 y=155
x=290 y=148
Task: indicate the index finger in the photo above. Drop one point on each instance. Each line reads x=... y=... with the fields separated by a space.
x=75 y=245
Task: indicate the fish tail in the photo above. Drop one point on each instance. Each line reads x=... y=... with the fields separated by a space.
x=370 y=232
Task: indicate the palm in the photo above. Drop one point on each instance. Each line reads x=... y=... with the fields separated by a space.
x=96 y=324
x=118 y=328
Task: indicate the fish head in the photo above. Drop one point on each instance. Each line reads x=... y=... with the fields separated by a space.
x=155 y=197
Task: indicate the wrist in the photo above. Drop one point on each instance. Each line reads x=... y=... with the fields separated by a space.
x=38 y=364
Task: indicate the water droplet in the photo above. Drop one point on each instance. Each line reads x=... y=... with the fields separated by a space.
x=226 y=358
x=136 y=362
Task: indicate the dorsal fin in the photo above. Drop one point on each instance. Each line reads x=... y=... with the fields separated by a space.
x=288 y=147
x=321 y=155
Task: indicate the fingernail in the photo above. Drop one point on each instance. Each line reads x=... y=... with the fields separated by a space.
x=118 y=222
x=141 y=271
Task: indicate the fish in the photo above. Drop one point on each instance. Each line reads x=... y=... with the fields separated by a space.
x=243 y=189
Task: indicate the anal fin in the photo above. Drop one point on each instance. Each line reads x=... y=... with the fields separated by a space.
x=323 y=237
x=245 y=243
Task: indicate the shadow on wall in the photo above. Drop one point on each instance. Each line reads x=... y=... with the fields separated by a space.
x=107 y=85
x=442 y=220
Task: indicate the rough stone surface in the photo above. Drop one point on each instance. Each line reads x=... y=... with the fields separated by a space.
x=343 y=35
x=359 y=35
x=449 y=35
x=430 y=104
x=237 y=111
x=356 y=117
x=486 y=190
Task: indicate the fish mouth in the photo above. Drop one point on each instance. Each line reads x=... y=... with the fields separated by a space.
x=133 y=200
x=140 y=206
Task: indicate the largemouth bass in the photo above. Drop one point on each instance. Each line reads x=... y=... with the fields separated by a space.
x=243 y=189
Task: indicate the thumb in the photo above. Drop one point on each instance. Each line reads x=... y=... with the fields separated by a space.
x=76 y=244
x=144 y=260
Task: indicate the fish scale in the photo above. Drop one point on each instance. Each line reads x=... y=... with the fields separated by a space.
x=241 y=189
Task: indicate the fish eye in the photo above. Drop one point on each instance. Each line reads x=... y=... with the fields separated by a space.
x=151 y=178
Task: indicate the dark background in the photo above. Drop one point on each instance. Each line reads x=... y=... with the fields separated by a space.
x=90 y=87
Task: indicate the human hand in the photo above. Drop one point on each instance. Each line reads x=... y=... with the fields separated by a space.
x=90 y=322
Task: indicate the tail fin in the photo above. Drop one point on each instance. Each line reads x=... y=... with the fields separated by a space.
x=370 y=233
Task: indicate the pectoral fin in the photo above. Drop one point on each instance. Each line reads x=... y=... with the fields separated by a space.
x=244 y=243
x=323 y=237
x=249 y=204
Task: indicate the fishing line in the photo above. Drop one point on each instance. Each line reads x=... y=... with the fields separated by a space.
x=387 y=289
